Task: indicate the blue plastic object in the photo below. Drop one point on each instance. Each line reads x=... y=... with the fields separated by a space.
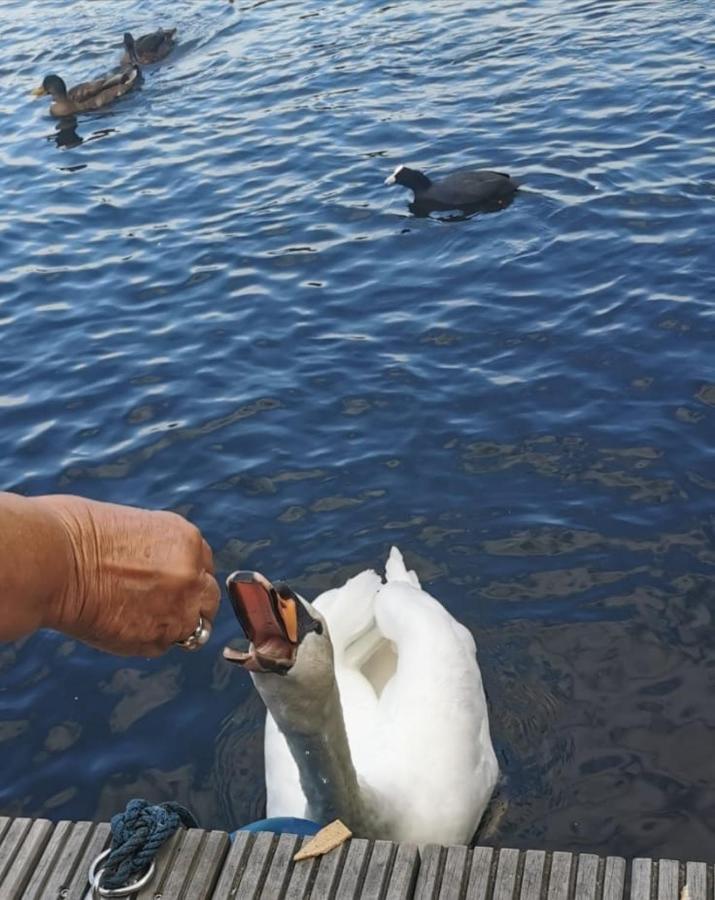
x=282 y=825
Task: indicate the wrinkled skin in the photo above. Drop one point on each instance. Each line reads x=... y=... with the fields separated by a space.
x=137 y=580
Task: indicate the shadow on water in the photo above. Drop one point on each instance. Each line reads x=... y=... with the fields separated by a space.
x=422 y=209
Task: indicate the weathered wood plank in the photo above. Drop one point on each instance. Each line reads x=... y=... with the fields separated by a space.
x=187 y=866
x=207 y=866
x=455 y=873
x=257 y=866
x=533 y=875
x=13 y=839
x=354 y=869
x=28 y=844
x=696 y=878
x=586 y=877
x=478 y=885
x=49 y=866
x=668 y=877
x=301 y=877
x=614 y=878
x=281 y=867
x=234 y=865
x=430 y=872
x=378 y=871
x=403 y=877
x=328 y=874
x=641 y=871
x=505 y=879
x=166 y=859
x=560 y=876
x=78 y=868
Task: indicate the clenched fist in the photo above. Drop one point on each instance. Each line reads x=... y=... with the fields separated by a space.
x=126 y=580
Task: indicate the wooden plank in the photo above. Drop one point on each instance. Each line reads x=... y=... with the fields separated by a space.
x=354 y=868
x=614 y=878
x=560 y=876
x=98 y=839
x=533 y=875
x=478 y=885
x=505 y=879
x=234 y=865
x=430 y=872
x=301 y=877
x=586 y=877
x=641 y=870
x=696 y=878
x=455 y=873
x=378 y=871
x=405 y=869
x=328 y=874
x=187 y=865
x=13 y=839
x=281 y=867
x=207 y=867
x=25 y=857
x=668 y=877
x=49 y=866
x=257 y=865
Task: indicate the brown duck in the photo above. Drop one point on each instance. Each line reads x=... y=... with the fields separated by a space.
x=88 y=95
x=149 y=48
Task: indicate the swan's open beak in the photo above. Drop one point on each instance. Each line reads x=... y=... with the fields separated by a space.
x=269 y=618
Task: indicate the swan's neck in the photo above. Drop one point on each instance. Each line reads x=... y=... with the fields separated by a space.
x=318 y=742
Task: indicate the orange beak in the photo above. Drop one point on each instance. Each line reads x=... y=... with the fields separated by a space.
x=269 y=618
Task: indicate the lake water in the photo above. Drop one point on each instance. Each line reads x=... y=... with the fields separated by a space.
x=210 y=302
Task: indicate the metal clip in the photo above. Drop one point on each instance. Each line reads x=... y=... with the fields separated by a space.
x=95 y=878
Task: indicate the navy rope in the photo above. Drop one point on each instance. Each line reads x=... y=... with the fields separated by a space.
x=137 y=835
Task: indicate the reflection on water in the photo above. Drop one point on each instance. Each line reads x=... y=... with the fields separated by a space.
x=210 y=302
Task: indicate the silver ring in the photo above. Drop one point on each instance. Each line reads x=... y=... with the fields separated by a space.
x=198 y=636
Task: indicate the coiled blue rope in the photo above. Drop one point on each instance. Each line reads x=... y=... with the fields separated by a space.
x=137 y=835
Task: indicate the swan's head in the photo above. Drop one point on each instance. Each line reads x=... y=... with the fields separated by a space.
x=285 y=632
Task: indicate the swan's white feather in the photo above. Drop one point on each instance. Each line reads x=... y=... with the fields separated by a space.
x=414 y=708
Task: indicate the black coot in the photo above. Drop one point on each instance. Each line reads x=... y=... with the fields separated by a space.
x=464 y=189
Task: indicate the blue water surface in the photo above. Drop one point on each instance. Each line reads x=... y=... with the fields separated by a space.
x=209 y=302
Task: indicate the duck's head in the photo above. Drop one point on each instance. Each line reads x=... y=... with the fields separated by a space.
x=409 y=178
x=130 y=47
x=52 y=85
x=287 y=635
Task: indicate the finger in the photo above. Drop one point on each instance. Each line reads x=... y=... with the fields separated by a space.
x=207 y=558
x=210 y=597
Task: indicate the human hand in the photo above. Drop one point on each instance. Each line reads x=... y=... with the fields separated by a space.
x=138 y=579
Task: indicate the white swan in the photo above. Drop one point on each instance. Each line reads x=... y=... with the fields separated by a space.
x=376 y=710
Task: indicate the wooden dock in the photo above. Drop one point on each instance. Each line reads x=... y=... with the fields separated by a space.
x=42 y=860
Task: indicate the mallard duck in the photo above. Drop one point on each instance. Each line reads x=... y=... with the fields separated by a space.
x=149 y=48
x=463 y=189
x=376 y=710
x=90 y=94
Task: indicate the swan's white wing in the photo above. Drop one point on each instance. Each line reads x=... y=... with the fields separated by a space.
x=433 y=759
